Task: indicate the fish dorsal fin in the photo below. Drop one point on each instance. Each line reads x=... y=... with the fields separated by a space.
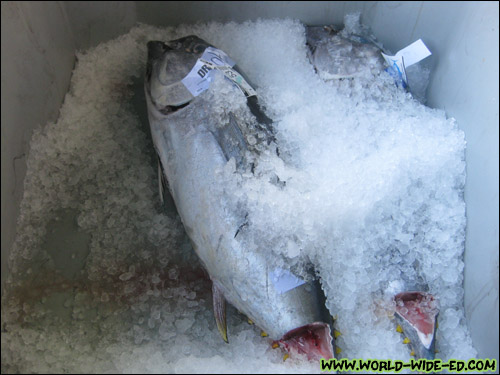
x=231 y=140
x=219 y=310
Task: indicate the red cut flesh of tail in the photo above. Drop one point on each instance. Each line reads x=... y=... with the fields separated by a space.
x=419 y=309
x=314 y=340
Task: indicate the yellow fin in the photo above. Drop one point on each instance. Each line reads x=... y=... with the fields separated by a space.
x=275 y=345
x=406 y=340
x=336 y=333
x=399 y=329
x=250 y=321
x=338 y=350
x=285 y=357
x=219 y=303
x=263 y=334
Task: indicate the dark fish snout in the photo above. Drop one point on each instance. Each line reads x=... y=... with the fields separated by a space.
x=156 y=49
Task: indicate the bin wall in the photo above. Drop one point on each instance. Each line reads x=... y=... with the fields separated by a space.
x=38 y=55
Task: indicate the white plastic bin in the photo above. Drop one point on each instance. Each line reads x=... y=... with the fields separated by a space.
x=39 y=40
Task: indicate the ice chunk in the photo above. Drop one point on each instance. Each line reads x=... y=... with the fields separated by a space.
x=183 y=325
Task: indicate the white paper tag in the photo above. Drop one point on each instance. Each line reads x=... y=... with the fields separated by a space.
x=284 y=281
x=217 y=57
x=407 y=57
x=414 y=53
x=396 y=67
x=200 y=77
x=234 y=76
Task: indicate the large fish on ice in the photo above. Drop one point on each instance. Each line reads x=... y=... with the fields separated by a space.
x=194 y=138
x=343 y=55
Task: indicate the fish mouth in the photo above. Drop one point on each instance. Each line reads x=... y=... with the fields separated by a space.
x=313 y=340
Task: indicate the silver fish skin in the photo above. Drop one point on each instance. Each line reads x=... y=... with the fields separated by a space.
x=194 y=142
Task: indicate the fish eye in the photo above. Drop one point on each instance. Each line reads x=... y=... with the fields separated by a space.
x=199 y=48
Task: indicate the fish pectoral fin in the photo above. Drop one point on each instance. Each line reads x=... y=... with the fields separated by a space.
x=219 y=310
x=231 y=141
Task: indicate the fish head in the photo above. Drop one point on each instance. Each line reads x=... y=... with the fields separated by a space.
x=336 y=57
x=168 y=63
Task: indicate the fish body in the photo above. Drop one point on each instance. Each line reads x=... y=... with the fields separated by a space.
x=196 y=137
x=340 y=55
